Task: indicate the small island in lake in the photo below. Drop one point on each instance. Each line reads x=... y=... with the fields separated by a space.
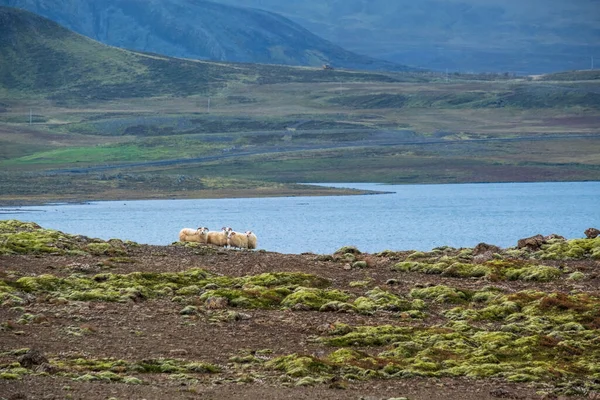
x=96 y=319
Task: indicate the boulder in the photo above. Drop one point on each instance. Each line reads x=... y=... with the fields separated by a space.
x=32 y=358
x=483 y=257
x=531 y=243
x=483 y=248
x=216 y=303
x=592 y=233
x=554 y=236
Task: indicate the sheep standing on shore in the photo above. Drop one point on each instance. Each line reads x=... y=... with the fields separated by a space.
x=193 y=235
x=237 y=239
x=218 y=238
x=251 y=239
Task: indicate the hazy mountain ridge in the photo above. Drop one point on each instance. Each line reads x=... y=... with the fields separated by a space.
x=200 y=30
x=535 y=36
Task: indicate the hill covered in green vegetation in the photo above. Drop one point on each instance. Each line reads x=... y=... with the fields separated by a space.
x=200 y=29
x=59 y=63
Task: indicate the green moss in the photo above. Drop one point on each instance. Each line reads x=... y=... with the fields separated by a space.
x=191 y=290
x=14 y=226
x=462 y=267
x=538 y=273
x=132 y=380
x=498 y=312
x=172 y=366
x=348 y=250
x=441 y=294
x=9 y=376
x=460 y=313
x=189 y=310
x=576 y=276
x=344 y=356
x=104 y=249
x=109 y=376
x=364 y=283
x=241 y=292
x=571 y=249
x=337 y=306
x=378 y=299
x=299 y=366
x=416 y=255
x=27 y=238
x=406 y=266
x=360 y=264
x=313 y=298
x=484 y=296
x=308 y=381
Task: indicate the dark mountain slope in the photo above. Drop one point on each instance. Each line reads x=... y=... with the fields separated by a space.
x=200 y=30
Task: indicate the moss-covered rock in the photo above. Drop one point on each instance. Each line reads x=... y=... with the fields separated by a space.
x=298 y=366
x=378 y=299
x=441 y=294
x=575 y=249
x=18 y=237
x=348 y=250
x=313 y=298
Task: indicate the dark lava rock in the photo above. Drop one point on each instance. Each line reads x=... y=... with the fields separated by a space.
x=532 y=243
x=483 y=248
x=554 y=236
x=216 y=303
x=32 y=358
x=592 y=233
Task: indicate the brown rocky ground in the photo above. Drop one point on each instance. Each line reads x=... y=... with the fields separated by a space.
x=153 y=328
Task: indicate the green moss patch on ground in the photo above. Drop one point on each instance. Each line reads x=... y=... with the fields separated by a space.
x=511 y=265
x=18 y=237
x=257 y=291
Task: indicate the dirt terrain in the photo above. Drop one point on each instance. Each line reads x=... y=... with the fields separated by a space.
x=85 y=319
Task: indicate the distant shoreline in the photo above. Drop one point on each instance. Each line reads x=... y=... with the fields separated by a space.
x=313 y=191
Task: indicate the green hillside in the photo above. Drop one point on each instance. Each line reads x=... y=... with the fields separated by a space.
x=56 y=62
x=202 y=30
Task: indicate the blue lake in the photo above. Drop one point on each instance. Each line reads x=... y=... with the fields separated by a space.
x=418 y=217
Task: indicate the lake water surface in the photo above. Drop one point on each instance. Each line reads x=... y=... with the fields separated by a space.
x=418 y=217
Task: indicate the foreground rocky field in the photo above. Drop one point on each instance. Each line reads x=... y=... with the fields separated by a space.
x=82 y=318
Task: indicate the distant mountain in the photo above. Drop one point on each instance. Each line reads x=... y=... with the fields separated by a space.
x=199 y=29
x=38 y=56
x=532 y=36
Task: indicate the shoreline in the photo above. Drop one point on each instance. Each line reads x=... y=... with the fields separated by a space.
x=308 y=190
x=192 y=195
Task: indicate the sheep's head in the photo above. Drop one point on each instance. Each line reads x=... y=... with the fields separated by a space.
x=230 y=234
x=248 y=233
x=226 y=229
x=203 y=231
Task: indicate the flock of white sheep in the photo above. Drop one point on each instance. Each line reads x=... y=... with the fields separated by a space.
x=226 y=237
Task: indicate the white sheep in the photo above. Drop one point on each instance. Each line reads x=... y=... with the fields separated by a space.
x=251 y=239
x=218 y=238
x=193 y=235
x=237 y=239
